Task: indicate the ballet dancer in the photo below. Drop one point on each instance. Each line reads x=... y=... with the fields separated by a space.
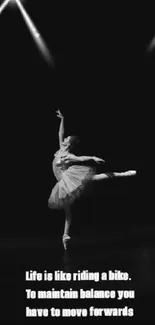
x=72 y=176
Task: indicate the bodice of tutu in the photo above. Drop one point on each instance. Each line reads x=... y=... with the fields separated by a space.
x=72 y=180
x=60 y=164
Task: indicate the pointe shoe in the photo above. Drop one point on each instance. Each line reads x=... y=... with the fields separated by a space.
x=130 y=173
x=65 y=239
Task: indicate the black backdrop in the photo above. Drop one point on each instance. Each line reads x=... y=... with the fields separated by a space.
x=102 y=81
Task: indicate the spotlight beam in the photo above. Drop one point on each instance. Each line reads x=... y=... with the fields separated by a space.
x=4 y=4
x=152 y=45
x=35 y=34
x=33 y=30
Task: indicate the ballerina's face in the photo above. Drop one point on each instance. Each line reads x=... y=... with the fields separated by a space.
x=66 y=141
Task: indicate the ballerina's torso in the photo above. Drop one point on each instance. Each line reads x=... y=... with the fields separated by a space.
x=60 y=163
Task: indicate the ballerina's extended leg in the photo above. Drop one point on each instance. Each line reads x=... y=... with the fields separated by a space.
x=68 y=220
x=113 y=174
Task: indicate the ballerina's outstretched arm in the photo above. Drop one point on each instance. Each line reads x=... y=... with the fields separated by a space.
x=61 y=128
x=74 y=158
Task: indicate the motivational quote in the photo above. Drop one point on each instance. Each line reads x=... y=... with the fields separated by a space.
x=81 y=294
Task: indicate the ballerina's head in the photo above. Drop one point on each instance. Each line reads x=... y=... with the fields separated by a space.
x=70 y=142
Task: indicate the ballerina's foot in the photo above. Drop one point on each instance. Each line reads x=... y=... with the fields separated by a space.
x=130 y=173
x=65 y=240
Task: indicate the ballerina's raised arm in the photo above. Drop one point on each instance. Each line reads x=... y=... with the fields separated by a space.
x=61 y=128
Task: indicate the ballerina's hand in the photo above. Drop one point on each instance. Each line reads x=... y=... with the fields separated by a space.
x=59 y=114
x=98 y=160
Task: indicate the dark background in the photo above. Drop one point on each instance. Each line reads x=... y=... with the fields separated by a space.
x=102 y=80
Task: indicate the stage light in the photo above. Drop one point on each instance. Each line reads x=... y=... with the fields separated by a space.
x=10 y=3
x=13 y=2
x=33 y=30
x=35 y=34
x=151 y=45
x=3 y=5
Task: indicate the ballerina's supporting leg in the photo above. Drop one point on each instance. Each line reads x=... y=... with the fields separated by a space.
x=113 y=174
x=68 y=220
